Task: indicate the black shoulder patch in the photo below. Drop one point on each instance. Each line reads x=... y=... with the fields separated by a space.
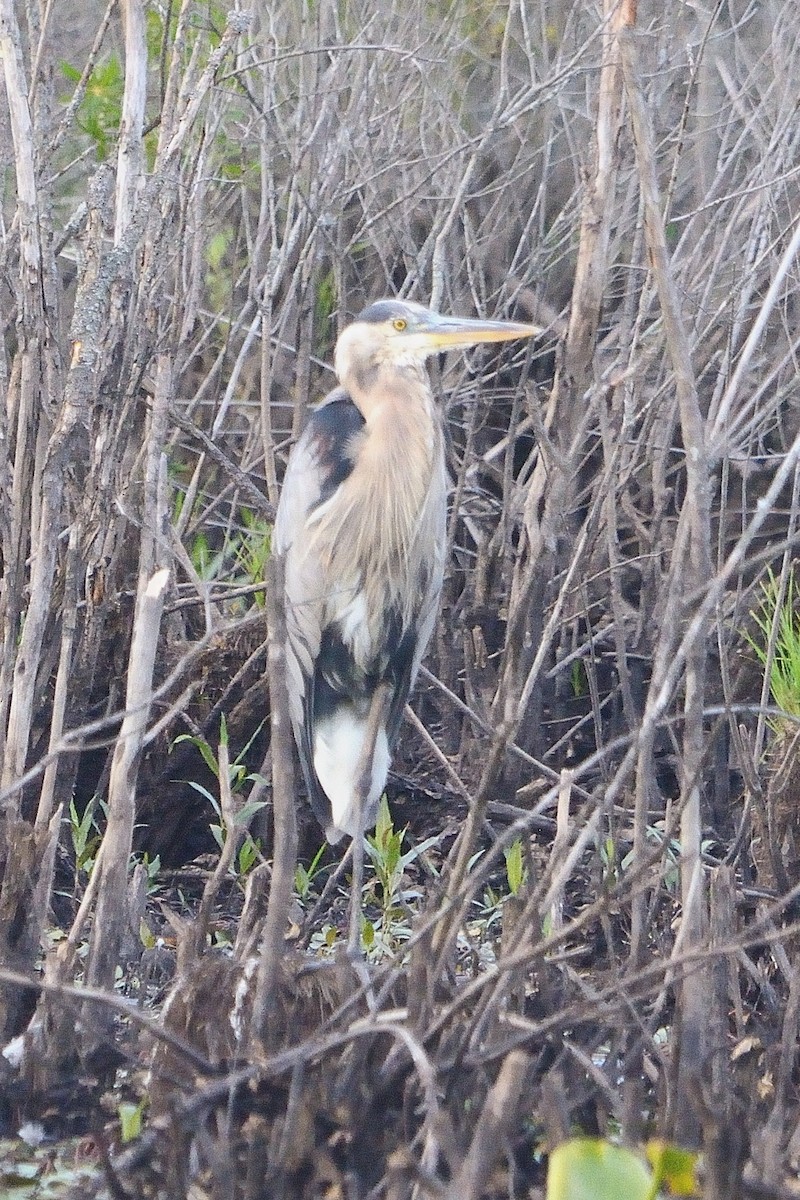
x=332 y=428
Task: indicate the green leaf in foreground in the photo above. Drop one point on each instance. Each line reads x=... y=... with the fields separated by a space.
x=673 y=1166
x=592 y=1169
x=130 y=1121
x=515 y=866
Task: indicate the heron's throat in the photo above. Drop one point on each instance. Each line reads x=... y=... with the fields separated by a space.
x=401 y=440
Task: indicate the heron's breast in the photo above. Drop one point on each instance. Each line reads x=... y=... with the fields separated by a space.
x=377 y=536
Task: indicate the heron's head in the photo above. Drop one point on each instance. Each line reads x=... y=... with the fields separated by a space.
x=402 y=334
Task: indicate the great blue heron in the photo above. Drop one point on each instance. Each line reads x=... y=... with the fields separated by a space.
x=361 y=527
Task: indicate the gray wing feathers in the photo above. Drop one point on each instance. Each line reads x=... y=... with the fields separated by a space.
x=302 y=487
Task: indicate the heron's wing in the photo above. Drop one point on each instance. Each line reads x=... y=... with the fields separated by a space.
x=319 y=464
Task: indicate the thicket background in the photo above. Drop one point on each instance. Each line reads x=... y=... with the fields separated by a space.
x=194 y=203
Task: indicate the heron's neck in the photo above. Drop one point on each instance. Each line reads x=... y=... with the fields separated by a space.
x=402 y=429
x=399 y=455
x=399 y=386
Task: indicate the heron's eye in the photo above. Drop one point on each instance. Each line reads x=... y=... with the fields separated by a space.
x=399 y=323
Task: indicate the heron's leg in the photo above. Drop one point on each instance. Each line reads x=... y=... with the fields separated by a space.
x=375 y=719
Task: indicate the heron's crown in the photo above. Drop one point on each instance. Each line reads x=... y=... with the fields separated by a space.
x=381 y=311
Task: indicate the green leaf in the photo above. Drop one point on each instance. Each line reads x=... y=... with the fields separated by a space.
x=100 y=109
x=248 y=811
x=130 y=1121
x=302 y=880
x=674 y=1166
x=217 y=248
x=248 y=854
x=784 y=675
x=415 y=851
x=593 y=1169
x=240 y=756
x=204 y=792
x=146 y=935
x=515 y=866
x=202 y=745
x=578 y=680
x=392 y=853
x=383 y=824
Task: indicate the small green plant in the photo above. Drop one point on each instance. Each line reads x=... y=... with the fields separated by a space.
x=304 y=876
x=614 y=868
x=324 y=941
x=607 y=849
x=242 y=556
x=250 y=849
x=490 y=906
x=207 y=563
x=490 y=909
x=671 y=849
x=101 y=108
x=85 y=836
x=384 y=849
x=784 y=667
x=383 y=936
x=152 y=868
x=254 y=549
x=248 y=856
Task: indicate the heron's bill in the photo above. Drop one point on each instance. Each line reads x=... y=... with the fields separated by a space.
x=453 y=333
